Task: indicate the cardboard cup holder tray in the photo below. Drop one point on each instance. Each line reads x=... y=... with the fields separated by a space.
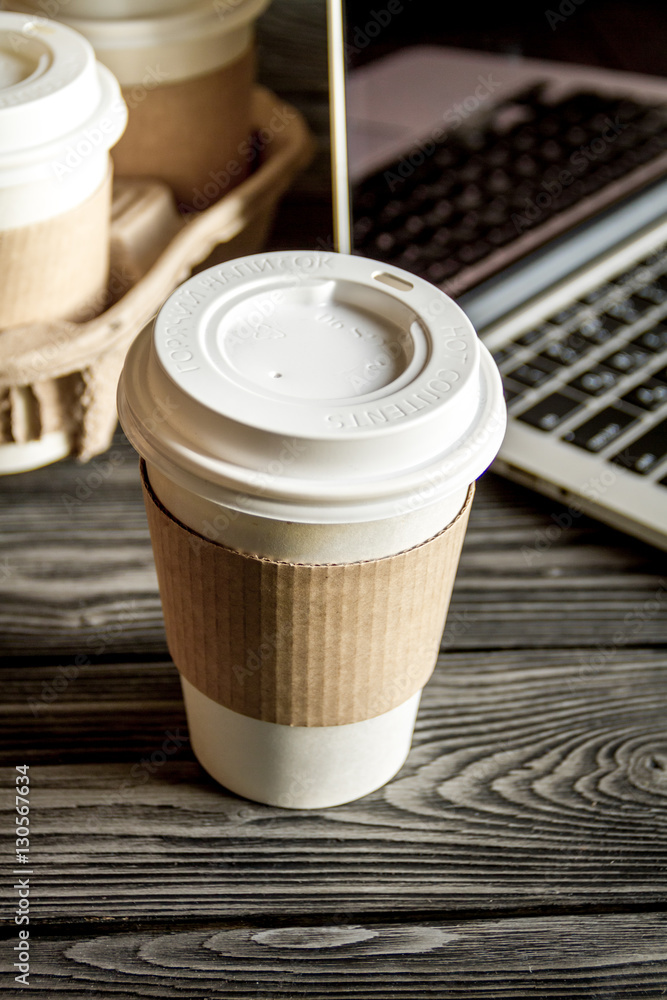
x=61 y=376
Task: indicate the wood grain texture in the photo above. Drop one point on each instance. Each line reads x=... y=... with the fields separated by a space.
x=592 y=957
x=532 y=787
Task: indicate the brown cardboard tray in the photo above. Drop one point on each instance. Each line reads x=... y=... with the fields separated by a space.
x=62 y=376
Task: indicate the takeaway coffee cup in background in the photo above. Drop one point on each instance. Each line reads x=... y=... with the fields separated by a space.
x=310 y=425
x=60 y=113
x=187 y=70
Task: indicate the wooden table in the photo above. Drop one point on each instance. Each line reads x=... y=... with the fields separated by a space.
x=521 y=851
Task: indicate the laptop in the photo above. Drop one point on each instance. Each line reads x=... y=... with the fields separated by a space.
x=535 y=194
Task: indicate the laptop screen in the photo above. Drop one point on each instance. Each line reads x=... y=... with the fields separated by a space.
x=468 y=155
x=498 y=155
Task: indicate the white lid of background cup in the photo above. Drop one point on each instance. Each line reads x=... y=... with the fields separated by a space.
x=109 y=8
x=151 y=43
x=313 y=387
x=60 y=112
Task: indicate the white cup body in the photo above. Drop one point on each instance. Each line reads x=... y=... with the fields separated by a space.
x=298 y=767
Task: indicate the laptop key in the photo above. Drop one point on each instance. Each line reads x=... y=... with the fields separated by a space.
x=499 y=236
x=644 y=454
x=599 y=329
x=653 y=293
x=439 y=213
x=568 y=350
x=533 y=373
x=624 y=310
x=628 y=359
x=550 y=412
x=649 y=396
x=600 y=430
x=596 y=381
x=385 y=243
x=472 y=252
x=654 y=339
x=390 y=212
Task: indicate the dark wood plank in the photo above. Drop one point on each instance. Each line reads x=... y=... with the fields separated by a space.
x=535 y=785
x=591 y=957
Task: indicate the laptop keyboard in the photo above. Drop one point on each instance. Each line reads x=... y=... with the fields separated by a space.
x=479 y=191
x=595 y=373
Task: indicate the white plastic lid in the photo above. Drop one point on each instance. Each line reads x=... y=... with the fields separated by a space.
x=151 y=42
x=313 y=387
x=109 y=8
x=58 y=106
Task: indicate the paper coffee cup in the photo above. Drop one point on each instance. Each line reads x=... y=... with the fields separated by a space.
x=311 y=425
x=60 y=113
x=186 y=70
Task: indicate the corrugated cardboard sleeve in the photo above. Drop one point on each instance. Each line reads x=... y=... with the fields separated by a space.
x=302 y=644
x=190 y=132
x=57 y=267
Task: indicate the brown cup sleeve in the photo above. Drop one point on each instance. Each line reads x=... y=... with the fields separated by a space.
x=57 y=268
x=194 y=134
x=303 y=644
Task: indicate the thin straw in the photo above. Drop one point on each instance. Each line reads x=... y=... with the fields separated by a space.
x=338 y=126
